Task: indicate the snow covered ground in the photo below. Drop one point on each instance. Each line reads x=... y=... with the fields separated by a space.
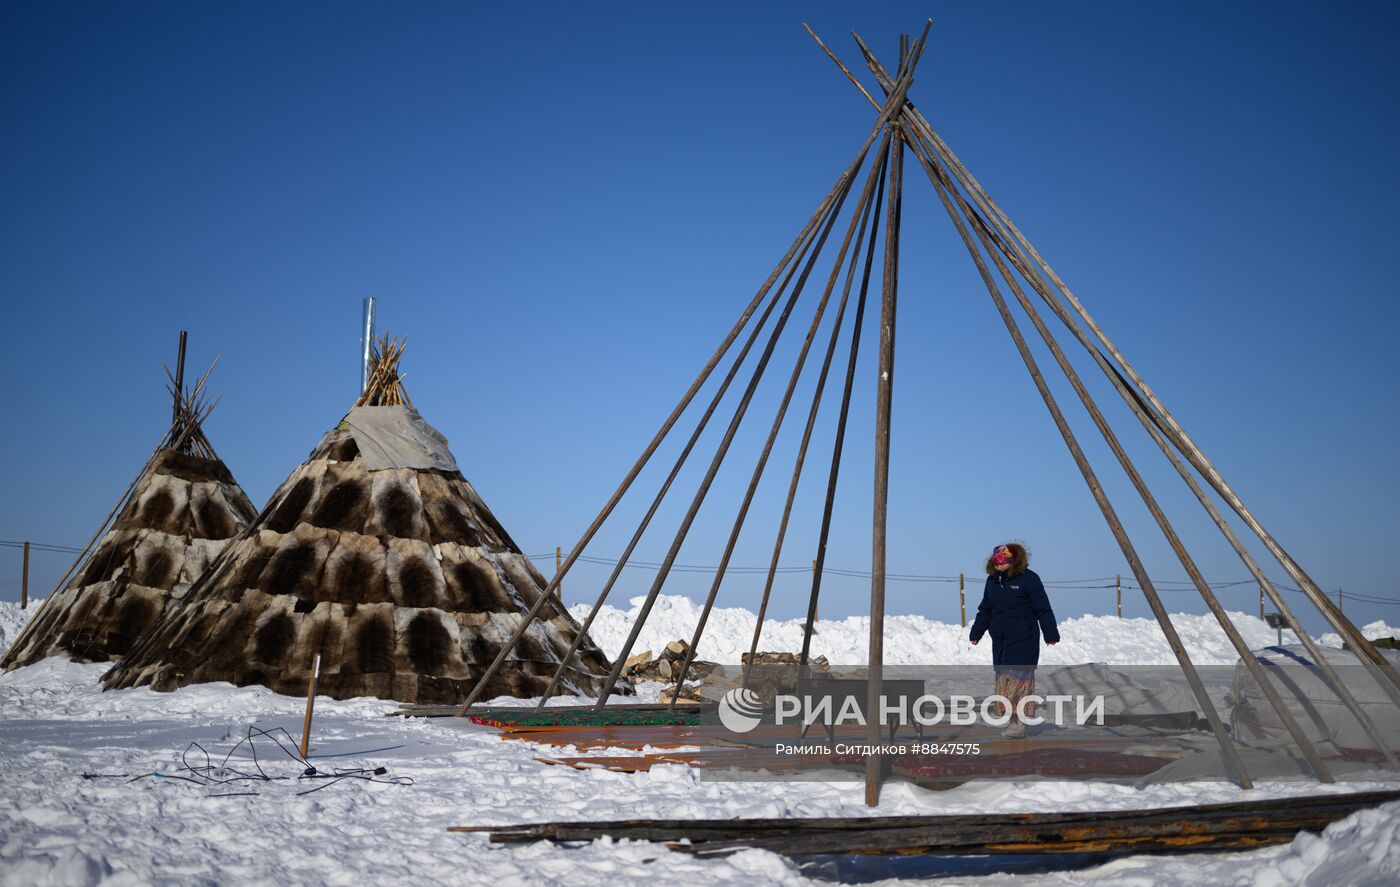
x=58 y=826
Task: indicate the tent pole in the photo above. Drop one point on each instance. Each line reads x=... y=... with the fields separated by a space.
x=1237 y=641
x=1178 y=436
x=840 y=189
x=1231 y=755
x=661 y=434
x=860 y=215
x=872 y=211
x=884 y=395
x=922 y=127
x=700 y=426
x=1142 y=412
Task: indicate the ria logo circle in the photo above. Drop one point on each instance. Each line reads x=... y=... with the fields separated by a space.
x=740 y=710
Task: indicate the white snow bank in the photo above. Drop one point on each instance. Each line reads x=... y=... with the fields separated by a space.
x=1371 y=630
x=1362 y=850
x=915 y=640
x=13 y=620
x=59 y=827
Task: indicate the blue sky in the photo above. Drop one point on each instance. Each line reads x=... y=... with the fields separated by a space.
x=565 y=205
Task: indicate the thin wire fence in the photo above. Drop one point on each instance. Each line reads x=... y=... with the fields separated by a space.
x=1095 y=583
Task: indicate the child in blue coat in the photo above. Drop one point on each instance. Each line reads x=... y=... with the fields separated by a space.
x=1015 y=612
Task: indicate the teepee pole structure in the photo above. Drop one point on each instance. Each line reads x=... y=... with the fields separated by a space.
x=1286 y=718
x=715 y=401
x=1379 y=666
x=857 y=216
x=834 y=196
x=872 y=211
x=991 y=240
x=942 y=183
x=884 y=398
x=919 y=133
x=574 y=553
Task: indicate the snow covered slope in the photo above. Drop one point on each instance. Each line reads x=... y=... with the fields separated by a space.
x=128 y=826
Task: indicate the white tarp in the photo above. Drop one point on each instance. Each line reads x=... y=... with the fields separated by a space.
x=1311 y=700
x=397 y=437
x=1122 y=693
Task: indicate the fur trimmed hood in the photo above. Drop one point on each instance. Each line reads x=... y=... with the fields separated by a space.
x=1020 y=559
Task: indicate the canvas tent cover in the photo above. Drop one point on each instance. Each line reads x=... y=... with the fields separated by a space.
x=1310 y=699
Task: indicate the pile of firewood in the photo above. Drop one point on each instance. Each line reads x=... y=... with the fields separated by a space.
x=771 y=673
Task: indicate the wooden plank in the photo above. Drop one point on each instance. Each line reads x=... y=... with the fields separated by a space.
x=1206 y=827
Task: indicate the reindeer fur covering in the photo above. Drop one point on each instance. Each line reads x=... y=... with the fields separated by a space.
x=180 y=516
x=401 y=579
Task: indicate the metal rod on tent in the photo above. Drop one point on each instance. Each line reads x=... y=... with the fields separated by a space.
x=872 y=209
x=175 y=414
x=1198 y=689
x=1154 y=508
x=366 y=341
x=884 y=391
x=962 y=601
x=700 y=426
x=656 y=440
x=1118 y=589
x=857 y=221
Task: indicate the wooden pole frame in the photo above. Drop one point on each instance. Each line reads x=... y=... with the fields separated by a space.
x=1160 y=416
x=920 y=125
x=858 y=216
x=884 y=401
x=823 y=209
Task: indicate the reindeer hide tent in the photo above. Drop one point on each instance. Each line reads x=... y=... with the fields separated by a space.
x=380 y=556
x=178 y=515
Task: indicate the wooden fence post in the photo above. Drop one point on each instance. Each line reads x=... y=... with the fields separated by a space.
x=24 y=581
x=962 y=600
x=1118 y=585
x=559 y=565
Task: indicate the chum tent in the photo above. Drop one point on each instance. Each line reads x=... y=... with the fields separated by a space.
x=378 y=555
x=172 y=522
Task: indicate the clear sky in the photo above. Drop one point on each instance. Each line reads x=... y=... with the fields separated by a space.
x=565 y=205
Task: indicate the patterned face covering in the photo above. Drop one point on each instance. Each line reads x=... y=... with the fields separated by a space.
x=1002 y=555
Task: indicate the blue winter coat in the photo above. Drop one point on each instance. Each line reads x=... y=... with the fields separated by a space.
x=1015 y=612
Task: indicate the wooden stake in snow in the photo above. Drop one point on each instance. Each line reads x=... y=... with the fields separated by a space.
x=310 y=704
